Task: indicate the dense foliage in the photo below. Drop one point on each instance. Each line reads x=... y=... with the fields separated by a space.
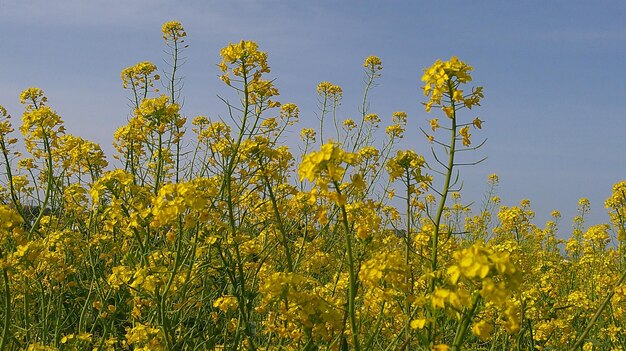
x=222 y=239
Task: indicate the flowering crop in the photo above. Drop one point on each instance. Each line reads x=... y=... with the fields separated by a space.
x=222 y=239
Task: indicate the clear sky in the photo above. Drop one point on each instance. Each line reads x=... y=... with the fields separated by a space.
x=553 y=73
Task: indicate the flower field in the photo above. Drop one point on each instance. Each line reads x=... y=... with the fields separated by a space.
x=211 y=234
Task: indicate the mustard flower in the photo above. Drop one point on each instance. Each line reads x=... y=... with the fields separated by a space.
x=243 y=57
x=465 y=135
x=443 y=79
x=9 y=218
x=478 y=123
x=329 y=90
x=289 y=112
x=419 y=323
x=406 y=162
x=482 y=329
x=143 y=333
x=158 y=111
x=434 y=124
x=140 y=75
x=373 y=63
x=173 y=31
x=326 y=163
x=399 y=117
x=32 y=95
x=226 y=303
x=349 y=124
x=395 y=131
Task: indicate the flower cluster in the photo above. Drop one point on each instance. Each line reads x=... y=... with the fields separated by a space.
x=325 y=166
x=330 y=91
x=140 y=76
x=443 y=78
x=173 y=31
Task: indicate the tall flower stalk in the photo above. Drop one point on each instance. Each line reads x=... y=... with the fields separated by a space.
x=443 y=86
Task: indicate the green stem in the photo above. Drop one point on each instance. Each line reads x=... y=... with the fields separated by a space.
x=595 y=317
x=50 y=179
x=279 y=220
x=352 y=288
x=322 y=119
x=14 y=198
x=173 y=96
x=357 y=142
x=444 y=194
x=407 y=259
x=159 y=168
x=7 y=311
x=463 y=327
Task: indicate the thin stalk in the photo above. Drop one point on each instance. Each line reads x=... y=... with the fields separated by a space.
x=322 y=119
x=407 y=259
x=173 y=96
x=279 y=220
x=368 y=86
x=14 y=198
x=50 y=179
x=463 y=327
x=352 y=289
x=159 y=165
x=7 y=311
x=595 y=317
x=444 y=194
x=231 y=214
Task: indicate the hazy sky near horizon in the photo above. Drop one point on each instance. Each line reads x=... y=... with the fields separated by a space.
x=552 y=71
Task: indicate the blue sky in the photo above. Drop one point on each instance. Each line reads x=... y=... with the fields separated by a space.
x=553 y=73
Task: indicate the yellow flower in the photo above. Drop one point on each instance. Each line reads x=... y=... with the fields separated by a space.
x=349 y=124
x=139 y=76
x=357 y=181
x=307 y=134
x=141 y=333
x=9 y=218
x=289 y=112
x=465 y=134
x=329 y=90
x=40 y=347
x=372 y=118
x=434 y=124
x=439 y=297
x=493 y=179
x=121 y=275
x=173 y=31
x=482 y=329
x=437 y=76
x=226 y=303
x=244 y=53
x=325 y=163
x=598 y=235
x=477 y=123
x=373 y=63
x=158 y=111
x=406 y=162
x=32 y=95
x=399 y=117
x=395 y=131
x=418 y=323
x=67 y=338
